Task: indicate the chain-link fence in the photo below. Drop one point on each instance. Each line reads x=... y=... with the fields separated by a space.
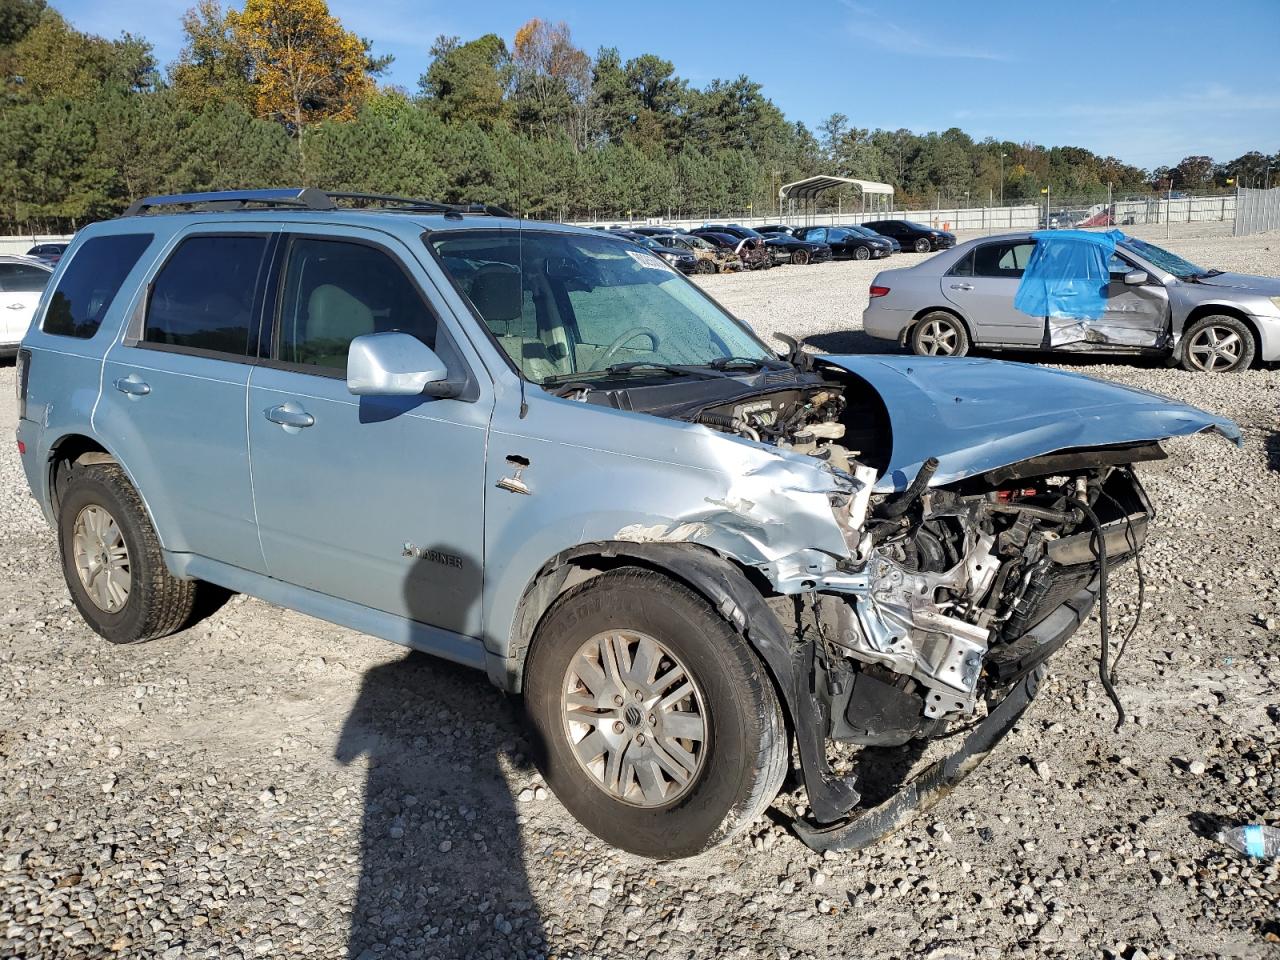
x=1258 y=211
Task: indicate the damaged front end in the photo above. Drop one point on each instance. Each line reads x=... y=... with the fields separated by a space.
x=948 y=593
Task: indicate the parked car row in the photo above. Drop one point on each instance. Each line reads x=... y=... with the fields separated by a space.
x=719 y=247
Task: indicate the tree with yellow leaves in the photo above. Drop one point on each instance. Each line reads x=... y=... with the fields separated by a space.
x=303 y=65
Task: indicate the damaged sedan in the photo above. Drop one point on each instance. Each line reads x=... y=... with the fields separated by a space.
x=1078 y=291
x=542 y=452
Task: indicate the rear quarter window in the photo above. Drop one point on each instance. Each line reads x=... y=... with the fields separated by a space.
x=89 y=285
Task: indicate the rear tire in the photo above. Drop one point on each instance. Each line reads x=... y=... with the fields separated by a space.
x=603 y=758
x=1217 y=344
x=112 y=560
x=939 y=334
x=923 y=245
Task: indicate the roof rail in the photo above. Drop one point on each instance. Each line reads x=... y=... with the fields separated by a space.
x=305 y=198
x=423 y=206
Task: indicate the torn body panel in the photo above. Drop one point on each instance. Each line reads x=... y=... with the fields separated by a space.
x=886 y=610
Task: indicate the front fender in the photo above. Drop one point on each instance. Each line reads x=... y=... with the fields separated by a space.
x=750 y=502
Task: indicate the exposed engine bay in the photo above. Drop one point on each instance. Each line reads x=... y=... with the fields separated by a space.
x=941 y=583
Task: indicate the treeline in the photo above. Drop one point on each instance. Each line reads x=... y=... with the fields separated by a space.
x=280 y=92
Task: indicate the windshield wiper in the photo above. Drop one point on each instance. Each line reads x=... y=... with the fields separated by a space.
x=674 y=369
x=736 y=363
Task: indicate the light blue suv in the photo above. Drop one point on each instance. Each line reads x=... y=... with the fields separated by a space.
x=540 y=451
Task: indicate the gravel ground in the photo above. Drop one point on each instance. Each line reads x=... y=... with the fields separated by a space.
x=266 y=785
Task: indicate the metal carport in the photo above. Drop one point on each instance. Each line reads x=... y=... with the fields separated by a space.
x=809 y=189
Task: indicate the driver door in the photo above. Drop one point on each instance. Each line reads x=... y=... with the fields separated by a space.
x=1136 y=314
x=374 y=500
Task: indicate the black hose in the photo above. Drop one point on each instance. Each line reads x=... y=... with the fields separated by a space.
x=896 y=507
x=1099 y=545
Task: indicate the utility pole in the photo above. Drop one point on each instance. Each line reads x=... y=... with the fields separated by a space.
x=1002 y=156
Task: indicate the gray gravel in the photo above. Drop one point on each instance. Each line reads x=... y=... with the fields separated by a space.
x=266 y=785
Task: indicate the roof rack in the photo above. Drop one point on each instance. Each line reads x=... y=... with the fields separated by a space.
x=305 y=198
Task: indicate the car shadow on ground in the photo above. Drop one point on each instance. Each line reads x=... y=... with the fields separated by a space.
x=442 y=871
x=1272 y=446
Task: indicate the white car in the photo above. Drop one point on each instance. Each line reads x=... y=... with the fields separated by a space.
x=22 y=280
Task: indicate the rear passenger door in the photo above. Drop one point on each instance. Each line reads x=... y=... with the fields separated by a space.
x=374 y=500
x=174 y=390
x=983 y=284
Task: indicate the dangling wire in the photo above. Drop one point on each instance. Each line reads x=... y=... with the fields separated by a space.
x=1099 y=545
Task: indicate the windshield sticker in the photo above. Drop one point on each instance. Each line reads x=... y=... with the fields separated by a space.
x=647 y=260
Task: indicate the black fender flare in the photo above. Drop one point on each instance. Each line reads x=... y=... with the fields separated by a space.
x=789 y=659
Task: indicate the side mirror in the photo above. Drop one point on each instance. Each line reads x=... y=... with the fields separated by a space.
x=1135 y=277
x=392 y=365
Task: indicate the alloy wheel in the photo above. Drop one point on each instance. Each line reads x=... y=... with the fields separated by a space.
x=938 y=338
x=1215 y=349
x=635 y=718
x=101 y=558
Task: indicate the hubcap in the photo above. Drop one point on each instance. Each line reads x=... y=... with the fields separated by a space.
x=634 y=717
x=938 y=338
x=101 y=558
x=1215 y=348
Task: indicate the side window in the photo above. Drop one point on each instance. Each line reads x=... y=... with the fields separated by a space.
x=202 y=298
x=1115 y=266
x=90 y=283
x=1002 y=260
x=335 y=291
x=817 y=236
x=22 y=278
x=963 y=267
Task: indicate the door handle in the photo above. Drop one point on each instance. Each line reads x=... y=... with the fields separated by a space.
x=962 y=286
x=290 y=414
x=133 y=386
x=16 y=306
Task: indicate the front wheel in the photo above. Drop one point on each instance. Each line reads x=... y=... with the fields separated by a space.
x=861 y=253
x=800 y=257
x=112 y=560
x=940 y=334
x=655 y=723
x=704 y=266
x=1218 y=344
x=923 y=245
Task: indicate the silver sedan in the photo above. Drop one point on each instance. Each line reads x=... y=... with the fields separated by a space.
x=1157 y=303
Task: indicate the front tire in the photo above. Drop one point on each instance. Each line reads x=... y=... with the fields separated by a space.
x=1217 y=344
x=704 y=267
x=923 y=245
x=112 y=560
x=939 y=334
x=800 y=258
x=656 y=725
x=862 y=253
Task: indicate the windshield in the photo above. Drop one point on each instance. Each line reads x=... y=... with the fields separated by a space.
x=1166 y=261
x=570 y=306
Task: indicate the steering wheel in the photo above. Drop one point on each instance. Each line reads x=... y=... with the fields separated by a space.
x=611 y=351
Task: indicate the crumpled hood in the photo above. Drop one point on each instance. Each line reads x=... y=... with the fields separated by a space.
x=1267 y=286
x=976 y=415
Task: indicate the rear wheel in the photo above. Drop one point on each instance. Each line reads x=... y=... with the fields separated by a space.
x=923 y=245
x=861 y=253
x=939 y=334
x=800 y=257
x=656 y=724
x=112 y=561
x=1217 y=344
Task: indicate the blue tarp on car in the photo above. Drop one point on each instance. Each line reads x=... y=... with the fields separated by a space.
x=1067 y=275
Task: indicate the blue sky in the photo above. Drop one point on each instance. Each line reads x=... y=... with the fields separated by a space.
x=1147 y=82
